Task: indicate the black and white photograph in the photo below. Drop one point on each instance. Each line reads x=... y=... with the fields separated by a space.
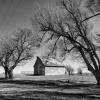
x=49 y=49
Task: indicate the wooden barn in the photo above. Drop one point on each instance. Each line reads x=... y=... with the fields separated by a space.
x=41 y=69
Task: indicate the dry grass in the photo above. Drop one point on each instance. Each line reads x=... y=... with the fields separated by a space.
x=49 y=88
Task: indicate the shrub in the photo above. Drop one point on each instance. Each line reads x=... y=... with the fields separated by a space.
x=69 y=70
x=79 y=71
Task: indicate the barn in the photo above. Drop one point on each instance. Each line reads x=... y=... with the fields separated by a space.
x=48 y=69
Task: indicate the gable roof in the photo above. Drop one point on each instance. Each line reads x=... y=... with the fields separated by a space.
x=54 y=66
x=50 y=64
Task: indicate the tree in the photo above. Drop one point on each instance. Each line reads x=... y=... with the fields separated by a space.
x=69 y=70
x=79 y=71
x=15 y=50
x=72 y=24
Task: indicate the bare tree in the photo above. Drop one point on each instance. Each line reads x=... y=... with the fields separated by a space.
x=72 y=24
x=69 y=70
x=79 y=71
x=15 y=50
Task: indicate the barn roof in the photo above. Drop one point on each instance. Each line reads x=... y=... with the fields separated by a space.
x=51 y=64
x=54 y=66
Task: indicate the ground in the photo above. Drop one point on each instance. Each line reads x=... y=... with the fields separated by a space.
x=61 y=87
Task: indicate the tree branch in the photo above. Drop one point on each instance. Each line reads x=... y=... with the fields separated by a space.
x=91 y=17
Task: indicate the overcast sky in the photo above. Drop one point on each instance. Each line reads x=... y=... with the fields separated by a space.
x=17 y=13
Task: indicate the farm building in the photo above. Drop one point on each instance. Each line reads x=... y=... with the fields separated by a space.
x=39 y=67
x=48 y=69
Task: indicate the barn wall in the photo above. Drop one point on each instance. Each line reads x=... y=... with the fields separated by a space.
x=39 y=68
x=54 y=71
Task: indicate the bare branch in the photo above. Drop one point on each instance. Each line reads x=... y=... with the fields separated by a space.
x=91 y=17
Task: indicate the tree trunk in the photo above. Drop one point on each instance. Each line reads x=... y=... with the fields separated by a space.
x=69 y=73
x=10 y=73
x=98 y=81
x=94 y=70
x=97 y=76
x=6 y=74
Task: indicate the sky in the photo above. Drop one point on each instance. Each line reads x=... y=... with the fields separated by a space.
x=18 y=13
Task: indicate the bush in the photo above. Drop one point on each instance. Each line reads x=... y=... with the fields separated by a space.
x=79 y=71
x=69 y=70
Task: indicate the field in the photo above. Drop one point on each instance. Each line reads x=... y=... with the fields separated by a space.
x=58 y=87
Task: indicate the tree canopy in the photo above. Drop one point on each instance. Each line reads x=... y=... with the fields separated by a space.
x=71 y=24
x=15 y=50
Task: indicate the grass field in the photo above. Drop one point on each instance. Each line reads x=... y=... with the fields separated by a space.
x=59 y=87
